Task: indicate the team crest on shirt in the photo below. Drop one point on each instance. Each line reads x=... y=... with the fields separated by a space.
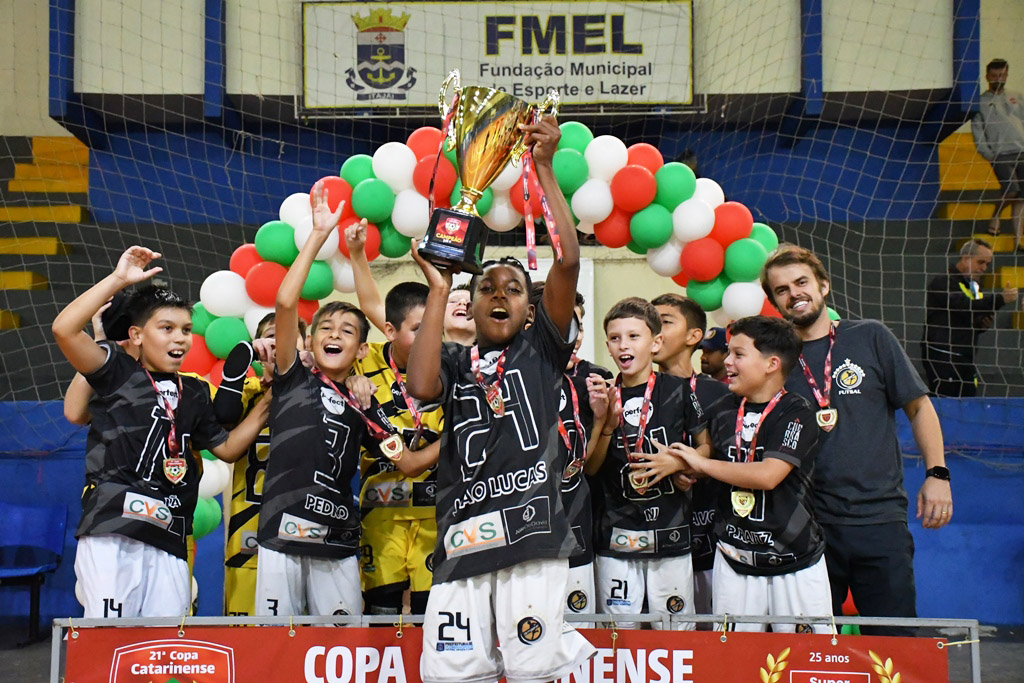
x=675 y=604
x=804 y=628
x=848 y=377
x=577 y=601
x=530 y=630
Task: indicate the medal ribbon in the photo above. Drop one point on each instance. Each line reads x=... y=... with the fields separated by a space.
x=376 y=430
x=173 y=447
x=445 y=129
x=760 y=421
x=499 y=372
x=693 y=383
x=645 y=410
x=823 y=399
x=564 y=433
x=549 y=217
x=405 y=394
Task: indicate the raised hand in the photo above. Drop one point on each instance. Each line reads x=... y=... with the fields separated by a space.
x=544 y=136
x=98 y=333
x=361 y=388
x=131 y=267
x=597 y=393
x=355 y=237
x=435 y=278
x=324 y=220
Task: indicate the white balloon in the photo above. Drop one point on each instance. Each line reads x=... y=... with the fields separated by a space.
x=502 y=217
x=605 y=155
x=585 y=227
x=253 y=317
x=304 y=228
x=411 y=214
x=719 y=318
x=394 y=163
x=692 y=220
x=508 y=177
x=215 y=478
x=709 y=192
x=741 y=299
x=294 y=208
x=665 y=259
x=344 y=278
x=195 y=589
x=223 y=294
x=592 y=202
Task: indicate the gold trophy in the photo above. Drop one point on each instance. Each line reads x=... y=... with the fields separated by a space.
x=482 y=126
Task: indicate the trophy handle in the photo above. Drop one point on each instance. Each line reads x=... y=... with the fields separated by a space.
x=442 y=104
x=549 y=107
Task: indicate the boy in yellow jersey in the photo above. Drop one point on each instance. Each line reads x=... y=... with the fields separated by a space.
x=399 y=529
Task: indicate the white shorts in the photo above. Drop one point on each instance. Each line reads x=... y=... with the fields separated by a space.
x=667 y=583
x=296 y=585
x=119 y=577
x=801 y=593
x=579 y=592
x=520 y=607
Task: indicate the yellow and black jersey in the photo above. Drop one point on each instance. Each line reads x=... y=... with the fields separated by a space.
x=383 y=488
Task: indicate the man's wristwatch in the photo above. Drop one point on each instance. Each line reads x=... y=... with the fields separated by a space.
x=939 y=472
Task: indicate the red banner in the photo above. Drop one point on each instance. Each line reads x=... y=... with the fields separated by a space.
x=226 y=654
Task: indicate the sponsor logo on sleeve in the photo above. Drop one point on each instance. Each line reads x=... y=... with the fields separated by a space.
x=792 y=437
x=631 y=541
x=146 y=509
x=476 y=534
x=294 y=528
x=533 y=517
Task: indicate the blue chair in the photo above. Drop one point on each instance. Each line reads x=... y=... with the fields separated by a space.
x=31 y=543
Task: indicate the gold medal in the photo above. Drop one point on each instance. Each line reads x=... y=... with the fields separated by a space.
x=743 y=502
x=638 y=482
x=175 y=469
x=392 y=447
x=572 y=469
x=494 y=401
x=827 y=418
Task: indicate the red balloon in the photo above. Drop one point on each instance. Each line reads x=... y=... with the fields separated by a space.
x=217 y=373
x=770 y=310
x=643 y=154
x=372 y=248
x=614 y=231
x=198 y=359
x=337 y=189
x=244 y=258
x=425 y=141
x=263 y=281
x=444 y=181
x=515 y=195
x=633 y=188
x=702 y=259
x=733 y=221
x=682 y=279
x=307 y=308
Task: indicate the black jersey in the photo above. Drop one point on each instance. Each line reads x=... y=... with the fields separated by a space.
x=780 y=534
x=307 y=506
x=704 y=493
x=575 y=488
x=498 y=499
x=129 y=485
x=655 y=523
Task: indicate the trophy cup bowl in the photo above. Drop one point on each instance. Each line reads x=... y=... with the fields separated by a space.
x=484 y=132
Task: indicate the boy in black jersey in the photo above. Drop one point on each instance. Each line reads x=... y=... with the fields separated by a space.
x=309 y=527
x=683 y=322
x=582 y=405
x=501 y=562
x=770 y=546
x=642 y=516
x=142 y=482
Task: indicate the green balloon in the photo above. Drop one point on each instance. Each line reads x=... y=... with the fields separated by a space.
x=833 y=314
x=201 y=318
x=708 y=294
x=357 y=168
x=483 y=205
x=676 y=184
x=850 y=630
x=766 y=236
x=393 y=244
x=744 y=259
x=275 y=241
x=575 y=135
x=651 y=227
x=206 y=518
x=319 y=283
x=373 y=200
x=223 y=334
x=449 y=154
x=257 y=367
x=571 y=170
x=636 y=248
x=207 y=455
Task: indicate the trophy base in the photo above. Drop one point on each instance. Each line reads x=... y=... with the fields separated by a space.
x=455 y=241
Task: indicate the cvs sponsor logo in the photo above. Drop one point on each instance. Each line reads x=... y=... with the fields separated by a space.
x=388 y=494
x=631 y=541
x=475 y=534
x=294 y=528
x=146 y=509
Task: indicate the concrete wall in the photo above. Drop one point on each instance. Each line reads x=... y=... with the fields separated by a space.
x=24 y=69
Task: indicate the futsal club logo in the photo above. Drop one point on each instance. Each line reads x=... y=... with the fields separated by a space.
x=380 y=72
